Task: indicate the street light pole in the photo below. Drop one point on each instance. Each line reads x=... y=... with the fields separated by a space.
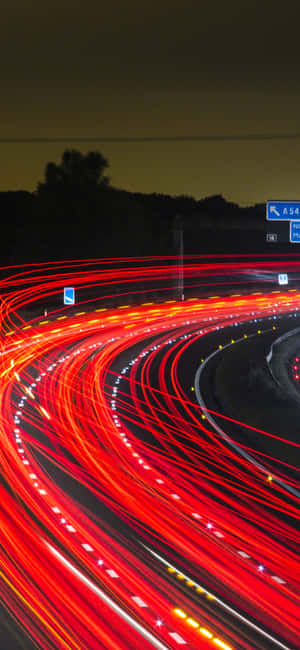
x=178 y=238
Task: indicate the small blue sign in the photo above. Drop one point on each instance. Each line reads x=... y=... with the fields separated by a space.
x=295 y=232
x=69 y=296
x=283 y=278
x=283 y=210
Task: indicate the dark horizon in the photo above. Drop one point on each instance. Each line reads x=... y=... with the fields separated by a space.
x=131 y=73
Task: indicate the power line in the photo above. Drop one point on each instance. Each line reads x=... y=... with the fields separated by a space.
x=183 y=138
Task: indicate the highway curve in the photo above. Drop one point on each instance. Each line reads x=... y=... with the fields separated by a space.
x=126 y=518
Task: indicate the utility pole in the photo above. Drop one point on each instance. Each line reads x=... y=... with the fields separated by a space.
x=179 y=247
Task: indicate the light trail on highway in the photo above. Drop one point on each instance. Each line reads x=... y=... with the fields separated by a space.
x=126 y=521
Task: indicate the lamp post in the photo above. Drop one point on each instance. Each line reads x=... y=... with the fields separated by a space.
x=178 y=241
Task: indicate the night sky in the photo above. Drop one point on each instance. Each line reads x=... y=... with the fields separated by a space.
x=155 y=69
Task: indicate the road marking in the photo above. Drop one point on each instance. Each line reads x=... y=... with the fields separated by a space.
x=112 y=573
x=206 y=633
x=70 y=528
x=228 y=608
x=279 y=580
x=114 y=606
x=139 y=601
x=179 y=613
x=221 y=644
x=177 y=638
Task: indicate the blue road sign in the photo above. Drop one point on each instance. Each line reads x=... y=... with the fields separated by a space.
x=69 y=296
x=295 y=232
x=283 y=210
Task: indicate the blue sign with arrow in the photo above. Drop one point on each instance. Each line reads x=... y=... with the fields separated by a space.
x=283 y=210
x=69 y=296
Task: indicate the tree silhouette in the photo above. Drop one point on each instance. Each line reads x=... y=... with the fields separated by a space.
x=76 y=170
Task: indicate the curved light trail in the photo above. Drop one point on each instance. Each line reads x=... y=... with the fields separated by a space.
x=126 y=520
x=222 y=433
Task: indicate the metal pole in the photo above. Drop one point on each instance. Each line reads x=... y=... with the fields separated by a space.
x=181 y=267
x=178 y=242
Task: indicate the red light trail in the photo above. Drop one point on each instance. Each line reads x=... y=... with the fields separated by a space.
x=94 y=410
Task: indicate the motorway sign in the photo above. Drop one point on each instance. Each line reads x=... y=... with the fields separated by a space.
x=283 y=210
x=69 y=296
x=295 y=232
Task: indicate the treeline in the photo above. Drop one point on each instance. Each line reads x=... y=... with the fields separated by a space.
x=76 y=213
